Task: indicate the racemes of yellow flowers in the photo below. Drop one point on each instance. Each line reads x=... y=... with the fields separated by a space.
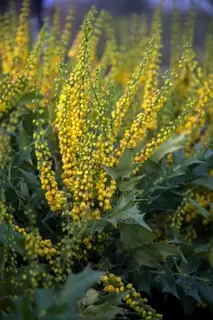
x=91 y=104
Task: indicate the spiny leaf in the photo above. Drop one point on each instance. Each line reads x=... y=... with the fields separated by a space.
x=130 y=184
x=129 y=214
x=133 y=236
x=112 y=172
x=146 y=256
x=167 y=281
x=154 y=253
x=77 y=285
x=167 y=250
x=189 y=287
x=170 y=145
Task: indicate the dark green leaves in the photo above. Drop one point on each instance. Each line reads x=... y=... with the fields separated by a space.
x=133 y=236
x=77 y=285
x=30 y=178
x=153 y=254
x=54 y=305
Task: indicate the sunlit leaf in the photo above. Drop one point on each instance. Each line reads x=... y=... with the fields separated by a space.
x=170 y=145
x=77 y=285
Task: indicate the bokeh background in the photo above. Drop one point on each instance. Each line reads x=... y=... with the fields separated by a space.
x=126 y=8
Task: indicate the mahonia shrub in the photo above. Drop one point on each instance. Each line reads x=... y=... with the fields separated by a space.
x=106 y=169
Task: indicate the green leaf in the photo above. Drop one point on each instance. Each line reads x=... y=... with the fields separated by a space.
x=103 y=311
x=206 y=182
x=77 y=285
x=44 y=299
x=7 y=231
x=125 y=166
x=170 y=145
x=200 y=210
x=129 y=214
x=112 y=172
x=192 y=160
x=24 y=189
x=4 y=230
x=122 y=202
x=130 y=184
x=28 y=98
x=57 y=311
x=191 y=265
x=105 y=308
x=98 y=226
x=189 y=287
x=37 y=197
x=23 y=309
x=23 y=138
x=146 y=256
x=206 y=291
x=127 y=159
x=133 y=236
x=30 y=178
x=167 y=281
x=91 y=297
x=167 y=250
x=154 y=253
x=22 y=156
x=114 y=299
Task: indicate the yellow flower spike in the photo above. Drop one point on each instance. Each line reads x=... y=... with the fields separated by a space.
x=151 y=74
x=125 y=100
x=141 y=124
x=22 y=35
x=162 y=136
x=175 y=39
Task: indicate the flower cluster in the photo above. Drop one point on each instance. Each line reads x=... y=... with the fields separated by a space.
x=42 y=247
x=86 y=108
x=133 y=299
x=181 y=212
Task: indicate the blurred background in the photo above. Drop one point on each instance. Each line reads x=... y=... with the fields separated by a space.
x=204 y=9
